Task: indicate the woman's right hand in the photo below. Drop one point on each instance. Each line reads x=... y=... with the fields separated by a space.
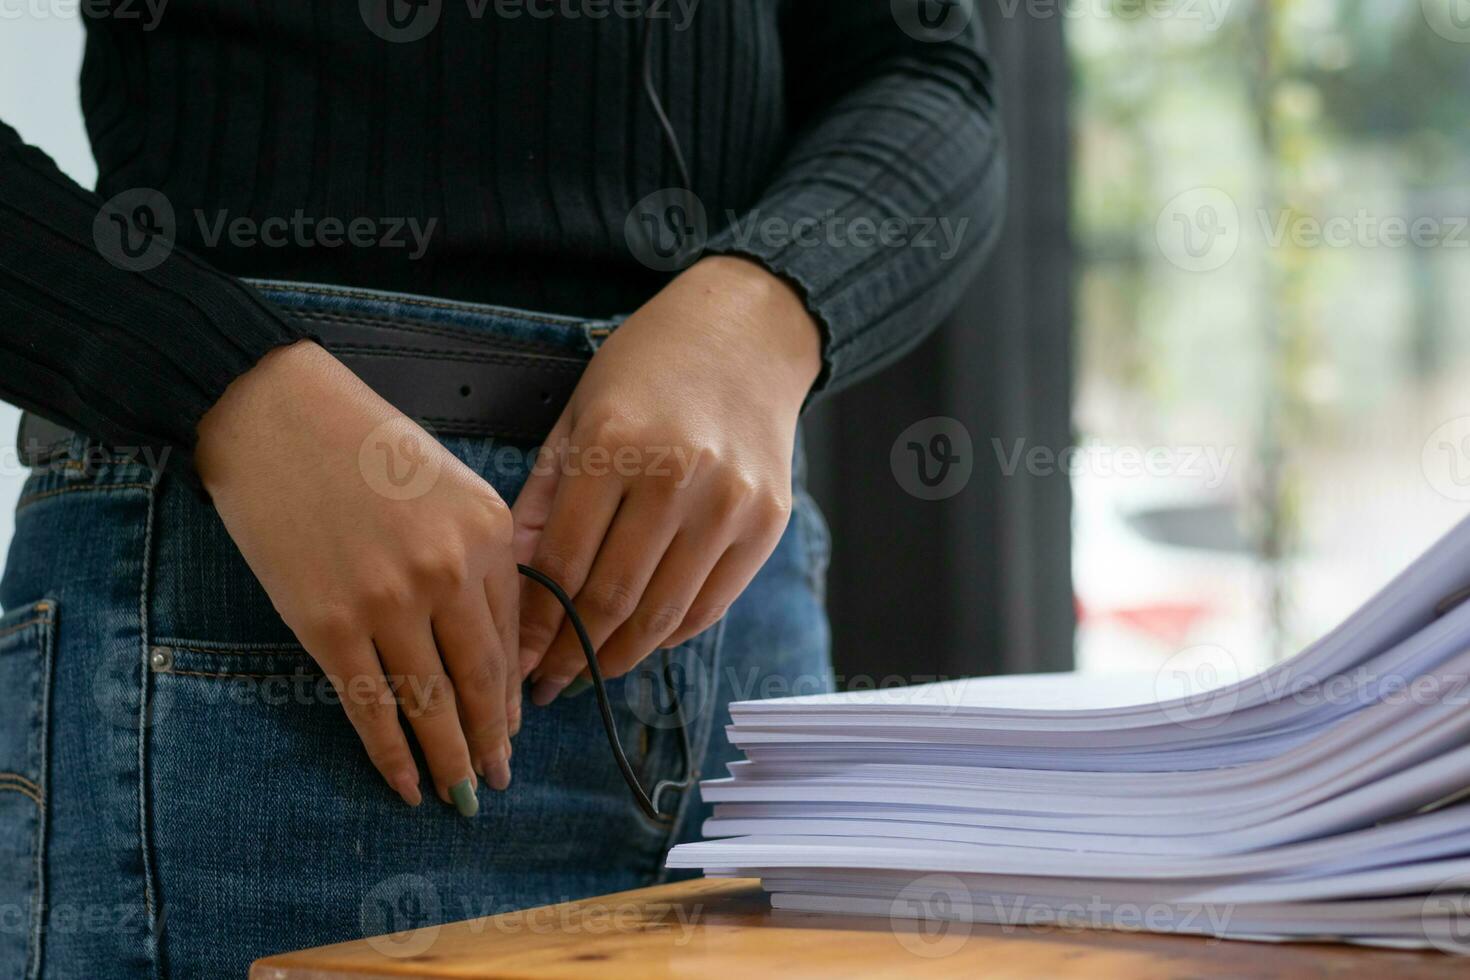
x=387 y=557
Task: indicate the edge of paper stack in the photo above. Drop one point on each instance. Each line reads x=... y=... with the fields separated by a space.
x=1323 y=799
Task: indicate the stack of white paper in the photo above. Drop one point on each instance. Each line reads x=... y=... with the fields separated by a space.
x=1319 y=799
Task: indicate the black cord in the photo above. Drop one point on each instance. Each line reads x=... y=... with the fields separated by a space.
x=651 y=90
x=647 y=802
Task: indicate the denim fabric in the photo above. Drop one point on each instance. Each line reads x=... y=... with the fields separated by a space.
x=180 y=793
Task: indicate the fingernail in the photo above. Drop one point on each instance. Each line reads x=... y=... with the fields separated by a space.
x=546 y=690
x=406 y=785
x=576 y=687
x=498 y=774
x=491 y=762
x=465 y=800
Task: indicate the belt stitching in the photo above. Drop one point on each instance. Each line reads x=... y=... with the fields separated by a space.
x=468 y=334
x=279 y=286
x=562 y=366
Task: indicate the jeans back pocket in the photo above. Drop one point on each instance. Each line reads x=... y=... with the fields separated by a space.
x=25 y=688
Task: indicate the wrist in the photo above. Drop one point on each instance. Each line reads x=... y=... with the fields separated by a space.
x=770 y=310
x=258 y=403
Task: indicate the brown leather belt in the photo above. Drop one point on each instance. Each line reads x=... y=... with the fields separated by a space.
x=454 y=381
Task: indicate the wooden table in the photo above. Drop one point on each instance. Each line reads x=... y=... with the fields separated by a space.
x=713 y=928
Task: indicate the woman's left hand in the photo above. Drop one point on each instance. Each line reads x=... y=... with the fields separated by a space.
x=666 y=483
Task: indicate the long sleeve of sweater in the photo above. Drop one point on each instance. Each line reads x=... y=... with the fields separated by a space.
x=893 y=190
x=104 y=326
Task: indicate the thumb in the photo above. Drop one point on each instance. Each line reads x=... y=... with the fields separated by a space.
x=532 y=508
x=531 y=511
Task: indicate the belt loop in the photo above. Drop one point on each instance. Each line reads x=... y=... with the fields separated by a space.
x=41 y=444
x=597 y=331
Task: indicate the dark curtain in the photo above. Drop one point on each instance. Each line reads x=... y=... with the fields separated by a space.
x=980 y=582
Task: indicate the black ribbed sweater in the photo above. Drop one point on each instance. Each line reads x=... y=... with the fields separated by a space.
x=525 y=139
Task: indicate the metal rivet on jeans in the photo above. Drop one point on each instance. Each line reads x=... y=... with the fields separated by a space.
x=162 y=659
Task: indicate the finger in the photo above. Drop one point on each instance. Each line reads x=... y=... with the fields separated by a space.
x=636 y=542
x=533 y=504
x=666 y=603
x=502 y=593
x=580 y=516
x=478 y=666
x=428 y=701
x=726 y=582
x=372 y=709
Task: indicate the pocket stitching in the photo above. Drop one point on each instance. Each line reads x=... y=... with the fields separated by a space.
x=40 y=617
x=29 y=499
x=16 y=783
x=45 y=618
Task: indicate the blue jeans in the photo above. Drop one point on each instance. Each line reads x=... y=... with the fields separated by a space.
x=180 y=793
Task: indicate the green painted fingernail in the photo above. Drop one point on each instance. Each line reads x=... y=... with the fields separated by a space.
x=575 y=687
x=465 y=800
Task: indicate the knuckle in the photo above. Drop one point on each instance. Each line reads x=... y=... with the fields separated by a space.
x=485 y=678
x=613 y=600
x=387 y=594
x=733 y=494
x=774 y=509
x=495 y=522
x=442 y=566
x=373 y=709
x=562 y=567
x=428 y=698
x=659 y=620
x=608 y=431
x=537 y=634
